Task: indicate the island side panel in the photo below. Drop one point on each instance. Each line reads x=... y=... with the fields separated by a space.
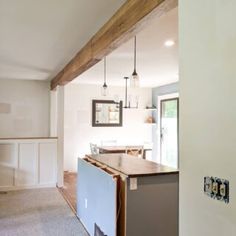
x=96 y=198
x=153 y=208
x=121 y=205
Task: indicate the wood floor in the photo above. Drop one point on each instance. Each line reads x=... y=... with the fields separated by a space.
x=69 y=189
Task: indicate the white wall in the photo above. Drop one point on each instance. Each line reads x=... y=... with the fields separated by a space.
x=24 y=108
x=79 y=132
x=207 y=114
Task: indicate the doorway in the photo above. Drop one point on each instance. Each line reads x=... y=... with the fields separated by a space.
x=168 y=130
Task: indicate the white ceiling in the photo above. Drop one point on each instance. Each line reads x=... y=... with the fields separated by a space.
x=156 y=64
x=37 y=38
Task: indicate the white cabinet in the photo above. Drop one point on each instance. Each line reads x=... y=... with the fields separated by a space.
x=28 y=163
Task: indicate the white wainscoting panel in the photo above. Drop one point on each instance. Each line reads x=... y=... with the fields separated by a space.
x=28 y=163
x=47 y=163
x=27 y=169
x=8 y=163
x=7 y=176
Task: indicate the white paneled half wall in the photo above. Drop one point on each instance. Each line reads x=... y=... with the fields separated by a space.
x=28 y=163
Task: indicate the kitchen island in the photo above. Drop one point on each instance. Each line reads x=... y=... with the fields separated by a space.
x=124 y=195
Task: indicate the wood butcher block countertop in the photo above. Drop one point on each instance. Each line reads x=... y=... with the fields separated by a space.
x=132 y=166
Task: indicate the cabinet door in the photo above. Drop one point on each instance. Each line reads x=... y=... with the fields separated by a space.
x=47 y=163
x=27 y=171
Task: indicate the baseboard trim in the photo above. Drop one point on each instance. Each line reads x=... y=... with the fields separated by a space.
x=12 y=188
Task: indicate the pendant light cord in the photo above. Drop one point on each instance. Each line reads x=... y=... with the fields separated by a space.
x=135 y=53
x=105 y=76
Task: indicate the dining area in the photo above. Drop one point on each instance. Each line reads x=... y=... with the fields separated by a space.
x=106 y=113
x=105 y=123
x=112 y=147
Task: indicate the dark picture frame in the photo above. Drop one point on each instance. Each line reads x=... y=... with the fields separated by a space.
x=94 y=120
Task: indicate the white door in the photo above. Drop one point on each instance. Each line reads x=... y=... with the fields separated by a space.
x=169 y=112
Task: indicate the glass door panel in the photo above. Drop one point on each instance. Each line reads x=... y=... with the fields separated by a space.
x=169 y=132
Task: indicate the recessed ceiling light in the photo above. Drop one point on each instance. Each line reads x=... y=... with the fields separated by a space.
x=169 y=43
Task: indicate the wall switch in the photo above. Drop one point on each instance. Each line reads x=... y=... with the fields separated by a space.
x=133 y=184
x=217 y=188
x=86 y=203
x=208 y=185
x=222 y=190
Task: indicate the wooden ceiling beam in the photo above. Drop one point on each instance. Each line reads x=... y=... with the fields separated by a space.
x=127 y=22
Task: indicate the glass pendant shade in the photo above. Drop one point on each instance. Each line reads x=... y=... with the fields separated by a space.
x=134 y=81
x=104 y=91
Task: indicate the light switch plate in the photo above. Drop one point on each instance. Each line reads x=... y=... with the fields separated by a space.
x=217 y=188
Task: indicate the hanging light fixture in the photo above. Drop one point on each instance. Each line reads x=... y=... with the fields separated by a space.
x=126 y=92
x=134 y=82
x=105 y=87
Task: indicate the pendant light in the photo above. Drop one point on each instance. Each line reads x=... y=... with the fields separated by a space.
x=105 y=87
x=134 y=82
x=126 y=92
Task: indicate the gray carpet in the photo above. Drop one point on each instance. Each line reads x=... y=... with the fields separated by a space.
x=37 y=212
